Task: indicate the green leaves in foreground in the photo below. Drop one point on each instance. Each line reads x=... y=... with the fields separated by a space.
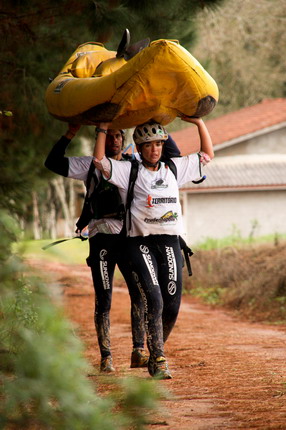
x=43 y=376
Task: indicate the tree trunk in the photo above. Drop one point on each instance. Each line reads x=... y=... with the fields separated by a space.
x=37 y=233
x=49 y=214
x=59 y=187
x=71 y=200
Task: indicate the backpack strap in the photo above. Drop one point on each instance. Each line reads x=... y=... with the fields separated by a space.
x=130 y=194
x=85 y=215
x=187 y=254
x=170 y=163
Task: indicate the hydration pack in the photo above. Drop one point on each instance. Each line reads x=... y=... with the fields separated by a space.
x=104 y=201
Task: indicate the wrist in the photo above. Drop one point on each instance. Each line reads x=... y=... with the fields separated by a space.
x=101 y=130
x=69 y=135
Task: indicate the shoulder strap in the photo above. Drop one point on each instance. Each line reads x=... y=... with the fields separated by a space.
x=130 y=195
x=127 y=157
x=170 y=163
x=89 y=176
x=85 y=213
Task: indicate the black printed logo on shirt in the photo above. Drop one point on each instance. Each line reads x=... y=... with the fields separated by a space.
x=159 y=184
x=167 y=217
x=152 y=201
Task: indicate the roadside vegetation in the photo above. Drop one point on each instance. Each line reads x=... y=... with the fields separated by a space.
x=43 y=375
x=246 y=276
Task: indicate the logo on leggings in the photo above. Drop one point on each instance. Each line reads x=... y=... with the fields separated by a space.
x=104 y=275
x=144 y=249
x=104 y=270
x=102 y=254
x=171 y=263
x=148 y=261
x=136 y=277
x=172 y=288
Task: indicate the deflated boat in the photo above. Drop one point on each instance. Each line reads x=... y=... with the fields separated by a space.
x=160 y=82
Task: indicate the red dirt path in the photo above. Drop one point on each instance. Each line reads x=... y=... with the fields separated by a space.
x=227 y=373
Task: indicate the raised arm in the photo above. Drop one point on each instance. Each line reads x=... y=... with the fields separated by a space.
x=206 y=141
x=100 y=161
x=170 y=149
x=56 y=160
x=99 y=147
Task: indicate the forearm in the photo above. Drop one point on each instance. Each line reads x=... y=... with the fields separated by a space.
x=206 y=141
x=56 y=160
x=170 y=149
x=99 y=147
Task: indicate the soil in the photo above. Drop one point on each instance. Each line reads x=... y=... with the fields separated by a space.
x=228 y=373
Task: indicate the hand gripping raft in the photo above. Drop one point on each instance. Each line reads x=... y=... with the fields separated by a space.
x=160 y=82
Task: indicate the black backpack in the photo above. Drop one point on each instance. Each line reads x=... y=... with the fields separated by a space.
x=104 y=201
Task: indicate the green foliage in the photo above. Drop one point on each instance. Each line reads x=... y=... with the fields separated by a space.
x=43 y=380
x=241 y=44
x=211 y=296
x=160 y=19
x=135 y=400
x=238 y=241
x=72 y=251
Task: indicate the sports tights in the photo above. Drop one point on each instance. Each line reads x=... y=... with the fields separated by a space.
x=107 y=250
x=157 y=266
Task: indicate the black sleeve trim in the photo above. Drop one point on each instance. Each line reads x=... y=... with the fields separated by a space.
x=56 y=160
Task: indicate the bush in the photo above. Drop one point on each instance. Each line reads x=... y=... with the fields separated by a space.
x=249 y=279
x=42 y=370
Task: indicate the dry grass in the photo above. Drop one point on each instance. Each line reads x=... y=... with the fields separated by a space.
x=249 y=280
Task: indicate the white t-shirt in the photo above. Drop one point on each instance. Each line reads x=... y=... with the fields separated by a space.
x=155 y=208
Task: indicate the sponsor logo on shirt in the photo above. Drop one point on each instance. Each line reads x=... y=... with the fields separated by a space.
x=152 y=201
x=149 y=202
x=159 y=183
x=167 y=217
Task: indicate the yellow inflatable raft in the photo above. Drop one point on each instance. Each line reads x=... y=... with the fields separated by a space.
x=161 y=82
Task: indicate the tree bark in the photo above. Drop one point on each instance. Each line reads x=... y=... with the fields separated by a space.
x=37 y=231
x=59 y=188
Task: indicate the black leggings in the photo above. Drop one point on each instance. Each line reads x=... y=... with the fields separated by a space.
x=157 y=265
x=107 y=250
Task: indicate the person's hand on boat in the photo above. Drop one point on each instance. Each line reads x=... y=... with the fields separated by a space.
x=191 y=119
x=72 y=130
x=103 y=127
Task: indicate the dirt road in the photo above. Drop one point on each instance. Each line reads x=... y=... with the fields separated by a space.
x=227 y=373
